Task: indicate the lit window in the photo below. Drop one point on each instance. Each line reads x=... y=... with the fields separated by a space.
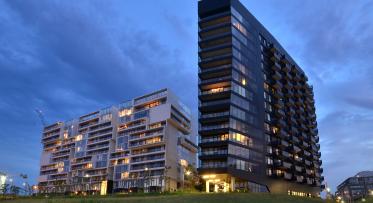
x=79 y=137
x=65 y=135
x=183 y=162
x=215 y=90
x=125 y=112
x=274 y=130
x=243 y=82
x=124 y=175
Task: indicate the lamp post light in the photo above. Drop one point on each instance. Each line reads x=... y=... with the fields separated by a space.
x=146 y=176
x=187 y=173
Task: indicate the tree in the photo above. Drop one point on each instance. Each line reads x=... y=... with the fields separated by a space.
x=4 y=188
x=14 y=190
x=192 y=178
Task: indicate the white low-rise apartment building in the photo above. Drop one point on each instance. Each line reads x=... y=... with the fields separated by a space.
x=144 y=144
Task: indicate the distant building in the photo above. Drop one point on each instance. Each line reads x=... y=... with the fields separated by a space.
x=2 y=180
x=356 y=187
x=257 y=121
x=140 y=145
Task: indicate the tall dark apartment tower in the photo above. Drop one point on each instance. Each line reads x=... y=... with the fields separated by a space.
x=257 y=122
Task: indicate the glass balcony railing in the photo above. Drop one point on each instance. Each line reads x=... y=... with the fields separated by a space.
x=215 y=91
x=213 y=115
x=214 y=127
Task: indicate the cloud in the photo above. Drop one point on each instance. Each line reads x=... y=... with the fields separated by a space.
x=332 y=42
x=70 y=59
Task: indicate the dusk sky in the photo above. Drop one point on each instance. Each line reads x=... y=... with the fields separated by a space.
x=68 y=58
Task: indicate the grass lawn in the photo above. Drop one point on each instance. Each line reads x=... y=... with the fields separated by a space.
x=179 y=198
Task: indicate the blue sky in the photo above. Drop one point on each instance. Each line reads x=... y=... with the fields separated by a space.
x=68 y=58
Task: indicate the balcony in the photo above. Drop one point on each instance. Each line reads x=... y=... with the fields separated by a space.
x=215 y=91
x=286 y=68
x=322 y=178
x=206 y=118
x=288 y=85
x=286 y=154
x=299 y=103
x=291 y=111
x=219 y=31
x=287 y=165
x=280 y=112
x=284 y=60
x=276 y=75
x=213 y=165
x=213 y=139
x=214 y=80
x=277 y=85
x=310 y=101
x=279 y=103
x=309 y=181
x=278 y=94
x=214 y=71
x=302 y=118
x=299 y=179
x=295 y=139
x=207 y=24
x=296 y=149
x=214 y=104
x=214 y=127
x=298 y=169
x=297 y=77
x=214 y=115
x=288 y=176
x=280 y=122
x=289 y=102
x=317 y=139
x=294 y=130
x=213 y=152
x=305 y=145
x=274 y=58
x=289 y=93
x=298 y=86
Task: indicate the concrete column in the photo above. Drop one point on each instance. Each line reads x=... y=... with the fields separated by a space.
x=233 y=181
x=207 y=186
x=226 y=185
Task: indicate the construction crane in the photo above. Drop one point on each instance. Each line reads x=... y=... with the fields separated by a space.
x=41 y=116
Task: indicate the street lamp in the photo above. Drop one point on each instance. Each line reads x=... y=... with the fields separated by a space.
x=146 y=178
x=188 y=173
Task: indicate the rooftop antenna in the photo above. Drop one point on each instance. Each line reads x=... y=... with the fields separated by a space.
x=41 y=116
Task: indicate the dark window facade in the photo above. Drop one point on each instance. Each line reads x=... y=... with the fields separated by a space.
x=257 y=122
